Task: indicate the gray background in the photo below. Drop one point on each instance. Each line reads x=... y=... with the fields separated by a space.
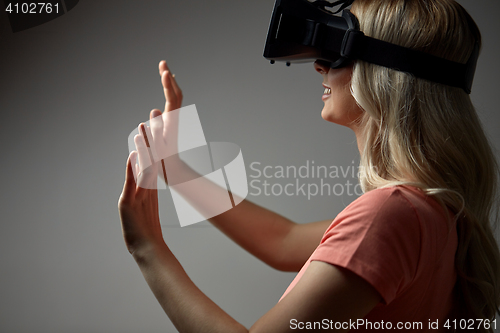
x=73 y=89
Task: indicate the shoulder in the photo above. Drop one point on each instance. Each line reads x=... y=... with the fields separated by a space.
x=384 y=206
x=378 y=237
x=398 y=197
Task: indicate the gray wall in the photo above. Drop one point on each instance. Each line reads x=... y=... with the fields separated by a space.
x=72 y=90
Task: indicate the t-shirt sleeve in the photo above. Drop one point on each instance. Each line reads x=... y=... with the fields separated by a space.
x=378 y=238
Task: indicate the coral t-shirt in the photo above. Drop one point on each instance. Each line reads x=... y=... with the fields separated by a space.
x=403 y=243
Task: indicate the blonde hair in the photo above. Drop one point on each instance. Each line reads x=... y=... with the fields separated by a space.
x=428 y=135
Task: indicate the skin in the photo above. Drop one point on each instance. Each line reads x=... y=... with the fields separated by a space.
x=340 y=107
x=324 y=292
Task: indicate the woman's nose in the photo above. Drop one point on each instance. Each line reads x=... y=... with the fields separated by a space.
x=321 y=67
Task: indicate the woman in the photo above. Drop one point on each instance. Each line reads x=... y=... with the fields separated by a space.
x=417 y=247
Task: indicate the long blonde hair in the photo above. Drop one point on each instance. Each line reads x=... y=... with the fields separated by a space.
x=429 y=135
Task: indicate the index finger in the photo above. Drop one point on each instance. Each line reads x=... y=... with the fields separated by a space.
x=162 y=67
x=173 y=99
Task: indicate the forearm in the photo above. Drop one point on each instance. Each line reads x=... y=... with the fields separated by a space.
x=274 y=239
x=187 y=307
x=261 y=232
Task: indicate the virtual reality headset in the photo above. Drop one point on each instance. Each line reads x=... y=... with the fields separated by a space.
x=304 y=31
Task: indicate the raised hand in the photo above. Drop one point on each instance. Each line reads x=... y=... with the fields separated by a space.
x=138 y=203
x=165 y=127
x=162 y=133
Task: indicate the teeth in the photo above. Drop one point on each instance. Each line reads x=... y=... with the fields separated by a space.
x=328 y=91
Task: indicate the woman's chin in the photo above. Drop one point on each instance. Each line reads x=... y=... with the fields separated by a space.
x=328 y=116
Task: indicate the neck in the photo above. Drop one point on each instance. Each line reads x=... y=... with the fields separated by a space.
x=358 y=132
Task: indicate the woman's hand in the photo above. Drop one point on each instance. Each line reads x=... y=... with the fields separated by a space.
x=138 y=203
x=164 y=127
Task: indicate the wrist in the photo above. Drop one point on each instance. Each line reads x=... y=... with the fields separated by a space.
x=150 y=251
x=173 y=168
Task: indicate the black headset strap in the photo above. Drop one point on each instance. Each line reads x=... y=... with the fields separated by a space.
x=423 y=65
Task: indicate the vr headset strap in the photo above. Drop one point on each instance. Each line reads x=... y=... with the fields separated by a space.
x=356 y=45
x=423 y=65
